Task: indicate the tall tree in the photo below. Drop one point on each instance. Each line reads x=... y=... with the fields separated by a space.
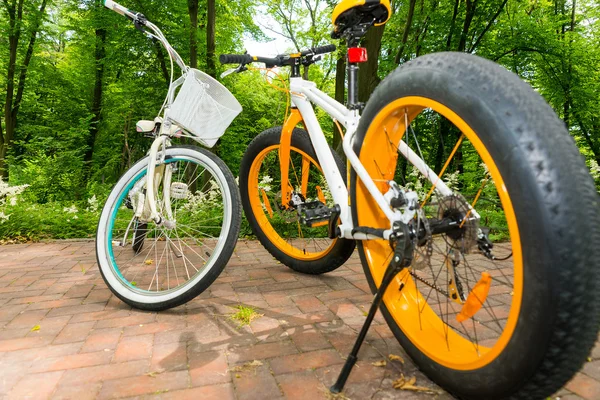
x=193 y=13
x=210 y=38
x=99 y=55
x=12 y=102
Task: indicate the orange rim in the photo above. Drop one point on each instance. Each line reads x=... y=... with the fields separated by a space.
x=258 y=208
x=409 y=307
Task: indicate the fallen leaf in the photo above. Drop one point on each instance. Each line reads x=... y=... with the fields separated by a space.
x=403 y=383
x=589 y=359
x=148 y=261
x=381 y=363
x=35 y=328
x=394 y=357
x=247 y=366
x=152 y=374
x=134 y=283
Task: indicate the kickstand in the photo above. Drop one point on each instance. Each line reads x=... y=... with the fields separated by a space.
x=401 y=259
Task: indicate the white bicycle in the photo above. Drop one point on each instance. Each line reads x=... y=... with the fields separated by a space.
x=488 y=276
x=170 y=224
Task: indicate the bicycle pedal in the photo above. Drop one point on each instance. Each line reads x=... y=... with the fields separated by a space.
x=314 y=214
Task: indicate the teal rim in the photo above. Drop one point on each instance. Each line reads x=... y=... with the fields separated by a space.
x=118 y=203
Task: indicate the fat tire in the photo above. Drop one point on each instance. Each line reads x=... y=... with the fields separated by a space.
x=558 y=214
x=343 y=248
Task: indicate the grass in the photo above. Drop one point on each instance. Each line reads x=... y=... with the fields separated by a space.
x=244 y=315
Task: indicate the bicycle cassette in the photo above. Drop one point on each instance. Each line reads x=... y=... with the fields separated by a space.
x=458 y=209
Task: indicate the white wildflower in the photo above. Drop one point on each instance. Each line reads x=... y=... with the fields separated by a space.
x=264 y=183
x=92 y=204
x=595 y=170
x=3 y=217
x=71 y=210
x=10 y=193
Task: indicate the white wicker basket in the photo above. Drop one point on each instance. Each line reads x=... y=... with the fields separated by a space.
x=204 y=107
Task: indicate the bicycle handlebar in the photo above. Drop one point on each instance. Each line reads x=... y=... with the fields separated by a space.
x=116 y=7
x=278 y=61
x=328 y=48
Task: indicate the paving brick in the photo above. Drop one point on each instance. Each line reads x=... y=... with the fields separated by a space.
x=72 y=361
x=208 y=368
x=101 y=339
x=93 y=345
x=50 y=326
x=134 y=348
x=77 y=392
x=77 y=291
x=308 y=338
x=139 y=385
x=23 y=343
x=35 y=386
x=309 y=304
x=585 y=387
x=129 y=321
x=592 y=369
x=169 y=357
x=310 y=360
x=75 y=332
x=100 y=373
x=255 y=383
x=211 y=392
x=262 y=351
x=301 y=385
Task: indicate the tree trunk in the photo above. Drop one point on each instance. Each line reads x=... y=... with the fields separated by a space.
x=340 y=94
x=367 y=74
x=409 y=18
x=210 y=39
x=12 y=103
x=452 y=25
x=193 y=11
x=96 y=101
x=470 y=13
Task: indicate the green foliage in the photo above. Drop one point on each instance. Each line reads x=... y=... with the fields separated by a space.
x=57 y=220
x=554 y=45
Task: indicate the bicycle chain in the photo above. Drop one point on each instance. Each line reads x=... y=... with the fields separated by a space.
x=431 y=285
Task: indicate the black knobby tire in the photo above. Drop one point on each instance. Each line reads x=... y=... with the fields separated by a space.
x=216 y=262
x=341 y=250
x=558 y=213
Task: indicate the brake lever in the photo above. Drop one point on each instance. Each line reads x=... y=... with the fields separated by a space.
x=238 y=69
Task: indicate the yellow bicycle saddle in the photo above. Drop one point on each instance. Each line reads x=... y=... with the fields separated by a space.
x=353 y=12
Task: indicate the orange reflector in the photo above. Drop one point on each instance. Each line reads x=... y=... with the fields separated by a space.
x=266 y=202
x=320 y=194
x=476 y=298
x=357 y=55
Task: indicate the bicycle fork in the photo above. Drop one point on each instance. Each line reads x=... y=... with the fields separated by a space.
x=401 y=259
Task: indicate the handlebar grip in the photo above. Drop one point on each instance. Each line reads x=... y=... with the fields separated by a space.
x=236 y=58
x=116 y=7
x=328 y=48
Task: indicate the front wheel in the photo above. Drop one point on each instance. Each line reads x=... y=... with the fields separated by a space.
x=155 y=267
x=506 y=303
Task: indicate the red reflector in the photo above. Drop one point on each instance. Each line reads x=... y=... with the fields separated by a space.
x=357 y=54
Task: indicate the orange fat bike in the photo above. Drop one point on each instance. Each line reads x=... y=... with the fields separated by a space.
x=483 y=254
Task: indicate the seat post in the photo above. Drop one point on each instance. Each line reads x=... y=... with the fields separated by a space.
x=353 y=102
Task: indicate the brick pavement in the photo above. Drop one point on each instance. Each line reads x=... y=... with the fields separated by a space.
x=63 y=335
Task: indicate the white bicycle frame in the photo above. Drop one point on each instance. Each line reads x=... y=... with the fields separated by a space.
x=304 y=92
x=157 y=151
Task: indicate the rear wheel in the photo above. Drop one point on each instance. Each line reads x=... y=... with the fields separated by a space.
x=506 y=303
x=285 y=232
